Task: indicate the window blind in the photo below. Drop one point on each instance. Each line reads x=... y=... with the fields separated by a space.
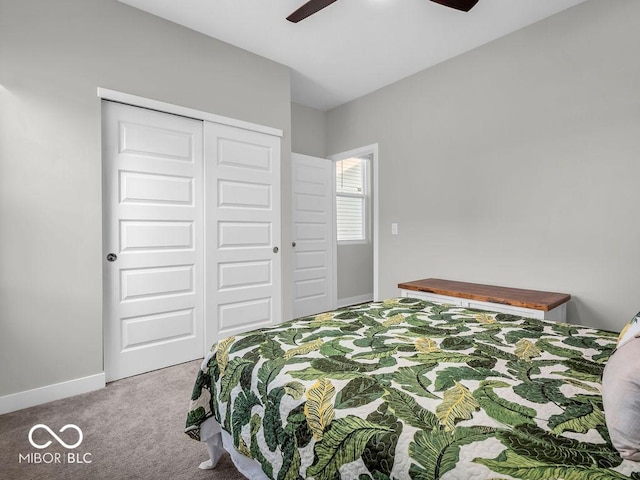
x=351 y=200
x=350 y=176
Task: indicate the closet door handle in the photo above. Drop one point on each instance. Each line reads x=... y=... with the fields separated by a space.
x=275 y=249
x=293 y=244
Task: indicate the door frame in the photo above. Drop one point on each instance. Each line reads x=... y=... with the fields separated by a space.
x=359 y=152
x=136 y=101
x=163 y=107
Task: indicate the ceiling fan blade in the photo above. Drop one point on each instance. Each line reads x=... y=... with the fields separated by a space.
x=464 y=5
x=309 y=9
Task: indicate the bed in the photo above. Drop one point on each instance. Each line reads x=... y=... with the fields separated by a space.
x=409 y=389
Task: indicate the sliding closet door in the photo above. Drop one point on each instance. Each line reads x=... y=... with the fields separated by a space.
x=153 y=239
x=242 y=208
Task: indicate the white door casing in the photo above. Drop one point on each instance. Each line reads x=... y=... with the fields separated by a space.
x=375 y=200
x=314 y=235
x=153 y=222
x=243 y=237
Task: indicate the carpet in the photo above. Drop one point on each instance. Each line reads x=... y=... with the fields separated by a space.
x=132 y=429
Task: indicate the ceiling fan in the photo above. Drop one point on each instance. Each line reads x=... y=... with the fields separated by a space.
x=313 y=6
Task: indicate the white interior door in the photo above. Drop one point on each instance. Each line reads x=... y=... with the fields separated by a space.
x=242 y=230
x=153 y=235
x=313 y=233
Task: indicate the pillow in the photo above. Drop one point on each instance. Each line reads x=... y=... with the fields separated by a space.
x=631 y=330
x=621 y=392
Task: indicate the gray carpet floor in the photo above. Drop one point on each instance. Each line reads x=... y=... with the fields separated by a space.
x=133 y=429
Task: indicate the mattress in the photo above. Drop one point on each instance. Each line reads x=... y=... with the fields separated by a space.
x=409 y=389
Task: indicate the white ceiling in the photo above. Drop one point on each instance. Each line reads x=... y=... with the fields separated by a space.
x=352 y=47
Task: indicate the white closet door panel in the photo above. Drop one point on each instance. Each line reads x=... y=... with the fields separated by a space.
x=154 y=236
x=234 y=274
x=147 y=188
x=242 y=315
x=242 y=232
x=155 y=330
x=153 y=195
x=243 y=228
x=236 y=149
x=311 y=288
x=156 y=142
x=255 y=196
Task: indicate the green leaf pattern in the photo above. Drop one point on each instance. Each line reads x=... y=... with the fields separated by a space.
x=408 y=389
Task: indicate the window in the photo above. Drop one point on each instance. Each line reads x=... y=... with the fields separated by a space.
x=351 y=200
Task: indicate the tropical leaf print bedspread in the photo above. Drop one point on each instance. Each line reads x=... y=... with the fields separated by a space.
x=408 y=389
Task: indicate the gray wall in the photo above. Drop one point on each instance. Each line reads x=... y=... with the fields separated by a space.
x=53 y=55
x=516 y=164
x=355 y=271
x=307 y=130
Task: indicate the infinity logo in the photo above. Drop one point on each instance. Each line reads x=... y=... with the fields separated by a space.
x=59 y=440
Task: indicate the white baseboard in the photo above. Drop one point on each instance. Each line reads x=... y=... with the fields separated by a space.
x=49 y=393
x=345 y=302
